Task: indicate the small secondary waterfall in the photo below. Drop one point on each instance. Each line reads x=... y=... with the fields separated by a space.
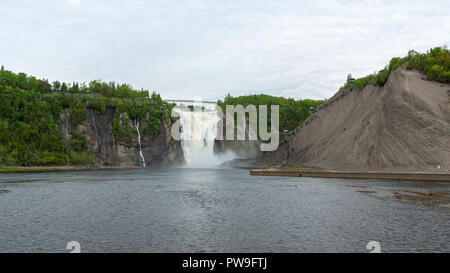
x=136 y=124
x=199 y=131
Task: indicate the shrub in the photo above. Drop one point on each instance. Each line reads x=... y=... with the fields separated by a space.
x=435 y=64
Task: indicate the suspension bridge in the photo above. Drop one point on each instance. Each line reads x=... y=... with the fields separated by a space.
x=189 y=101
x=193 y=99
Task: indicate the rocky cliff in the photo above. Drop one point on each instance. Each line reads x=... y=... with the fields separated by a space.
x=158 y=149
x=243 y=149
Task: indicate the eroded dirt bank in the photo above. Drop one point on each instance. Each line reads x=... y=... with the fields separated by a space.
x=402 y=126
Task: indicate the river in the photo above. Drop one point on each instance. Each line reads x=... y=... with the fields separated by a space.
x=213 y=210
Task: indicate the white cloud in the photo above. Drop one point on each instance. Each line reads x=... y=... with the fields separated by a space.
x=183 y=48
x=73 y=2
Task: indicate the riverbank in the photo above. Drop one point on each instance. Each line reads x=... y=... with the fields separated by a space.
x=41 y=169
x=436 y=177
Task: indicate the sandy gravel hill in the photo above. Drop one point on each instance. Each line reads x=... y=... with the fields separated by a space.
x=403 y=126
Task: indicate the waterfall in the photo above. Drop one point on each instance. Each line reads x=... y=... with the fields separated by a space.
x=199 y=131
x=136 y=124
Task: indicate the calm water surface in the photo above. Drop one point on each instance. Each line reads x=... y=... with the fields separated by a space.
x=213 y=210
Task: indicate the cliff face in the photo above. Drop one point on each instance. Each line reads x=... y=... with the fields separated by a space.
x=161 y=149
x=404 y=125
x=158 y=149
x=243 y=149
x=100 y=137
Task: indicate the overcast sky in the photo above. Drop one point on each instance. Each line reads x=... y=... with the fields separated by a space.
x=208 y=48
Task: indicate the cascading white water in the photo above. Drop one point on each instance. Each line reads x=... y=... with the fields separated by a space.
x=136 y=124
x=199 y=131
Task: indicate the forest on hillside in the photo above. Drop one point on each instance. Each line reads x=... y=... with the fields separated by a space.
x=31 y=121
x=292 y=112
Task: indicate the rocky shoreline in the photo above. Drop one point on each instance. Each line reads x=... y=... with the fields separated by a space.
x=39 y=169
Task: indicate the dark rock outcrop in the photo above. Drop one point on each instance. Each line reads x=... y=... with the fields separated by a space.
x=158 y=149
x=101 y=139
x=243 y=149
x=161 y=149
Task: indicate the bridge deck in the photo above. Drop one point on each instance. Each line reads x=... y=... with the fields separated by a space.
x=212 y=102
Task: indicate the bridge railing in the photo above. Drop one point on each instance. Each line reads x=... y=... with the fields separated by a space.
x=192 y=101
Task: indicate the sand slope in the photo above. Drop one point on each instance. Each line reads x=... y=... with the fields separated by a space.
x=404 y=125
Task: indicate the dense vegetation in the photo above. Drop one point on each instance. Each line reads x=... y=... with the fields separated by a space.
x=31 y=117
x=292 y=112
x=32 y=110
x=435 y=64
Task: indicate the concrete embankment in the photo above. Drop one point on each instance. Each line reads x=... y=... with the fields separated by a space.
x=436 y=177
